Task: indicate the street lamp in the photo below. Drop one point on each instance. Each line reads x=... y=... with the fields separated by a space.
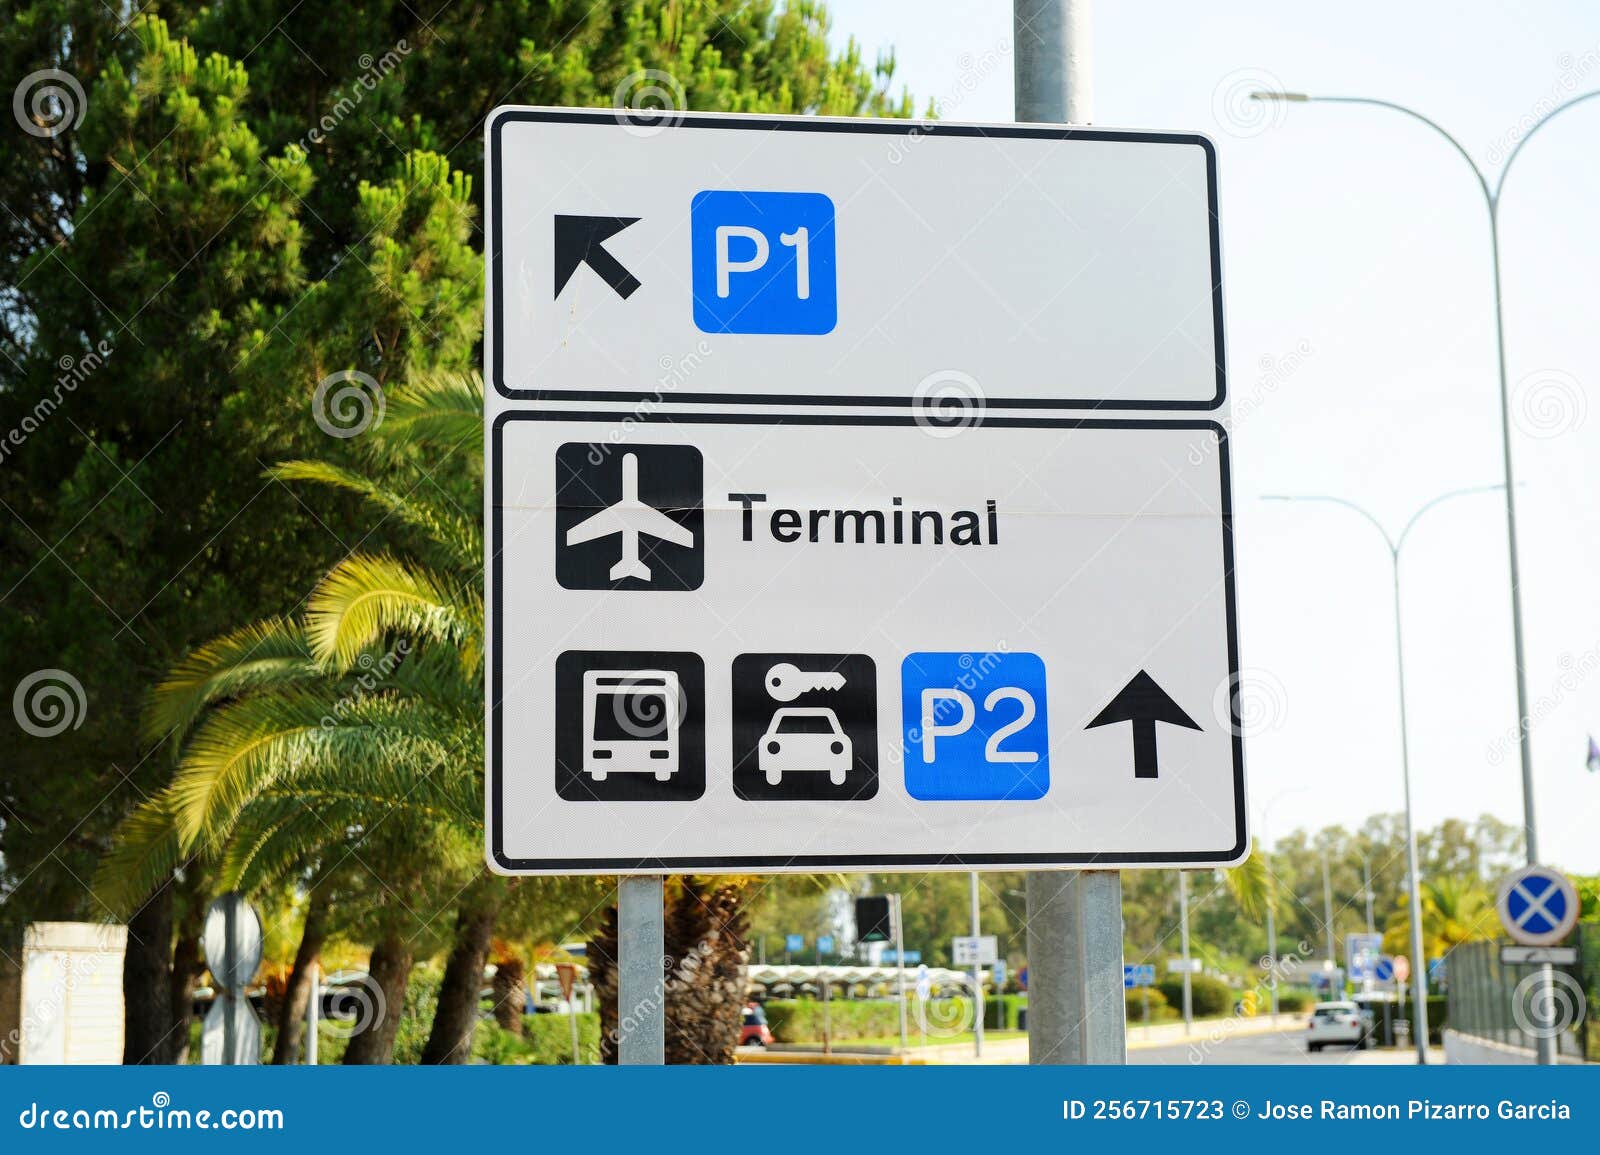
x=1491 y=198
x=1415 y=884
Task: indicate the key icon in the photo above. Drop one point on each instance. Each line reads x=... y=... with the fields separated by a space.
x=786 y=681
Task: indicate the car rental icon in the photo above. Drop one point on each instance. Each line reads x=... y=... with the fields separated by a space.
x=804 y=739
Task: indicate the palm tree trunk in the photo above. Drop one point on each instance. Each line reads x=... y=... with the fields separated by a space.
x=450 y=1040
x=146 y=982
x=510 y=993
x=297 y=991
x=186 y=970
x=390 y=972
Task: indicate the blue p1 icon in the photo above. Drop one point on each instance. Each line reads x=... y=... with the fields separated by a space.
x=975 y=725
x=763 y=262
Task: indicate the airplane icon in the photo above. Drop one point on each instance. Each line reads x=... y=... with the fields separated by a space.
x=630 y=518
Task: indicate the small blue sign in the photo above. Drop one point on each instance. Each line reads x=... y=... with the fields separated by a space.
x=1537 y=905
x=794 y=942
x=825 y=944
x=998 y=971
x=1138 y=975
x=976 y=726
x=1383 y=971
x=912 y=957
x=763 y=262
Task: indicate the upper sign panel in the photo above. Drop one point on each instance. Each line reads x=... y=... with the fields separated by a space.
x=832 y=261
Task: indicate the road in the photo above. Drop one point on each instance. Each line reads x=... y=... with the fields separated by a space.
x=1214 y=1048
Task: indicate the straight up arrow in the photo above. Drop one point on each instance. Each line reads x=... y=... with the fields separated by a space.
x=1143 y=703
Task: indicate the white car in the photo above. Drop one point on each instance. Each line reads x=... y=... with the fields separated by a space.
x=1341 y=1022
x=804 y=739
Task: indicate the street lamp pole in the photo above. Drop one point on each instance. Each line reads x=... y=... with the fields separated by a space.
x=1491 y=197
x=1414 y=875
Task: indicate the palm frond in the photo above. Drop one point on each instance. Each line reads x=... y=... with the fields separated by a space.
x=366 y=598
x=460 y=537
x=146 y=850
x=269 y=652
x=441 y=408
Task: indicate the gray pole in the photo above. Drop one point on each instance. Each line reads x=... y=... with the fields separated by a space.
x=977 y=974
x=900 y=972
x=1272 y=943
x=1366 y=882
x=1074 y=919
x=1327 y=912
x=1183 y=933
x=313 y=1010
x=641 y=995
x=230 y=999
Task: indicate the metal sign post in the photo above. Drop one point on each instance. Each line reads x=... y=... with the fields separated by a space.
x=641 y=989
x=313 y=1011
x=1053 y=85
x=977 y=974
x=900 y=971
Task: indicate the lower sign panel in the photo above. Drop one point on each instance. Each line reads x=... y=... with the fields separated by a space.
x=800 y=643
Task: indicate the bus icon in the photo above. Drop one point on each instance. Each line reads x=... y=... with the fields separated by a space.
x=630 y=723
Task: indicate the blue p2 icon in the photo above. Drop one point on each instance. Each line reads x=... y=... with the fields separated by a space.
x=975 y=726
x=763 y=262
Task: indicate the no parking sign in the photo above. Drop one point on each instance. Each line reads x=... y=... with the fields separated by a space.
x=1538 y=906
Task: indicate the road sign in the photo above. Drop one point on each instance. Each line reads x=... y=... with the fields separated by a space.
x=1538 y=906
x=970 y=950
x=889 y=957
x=1178 y=966
x=746 y=642
x=794 y=942
x=639 y=255
x=997 y=971
x=825 y=944
x=1383 y=970
x=1561 y=956
x=232 y=968
x=566 y=975
x=1362 y=952
x=1138 y=975
x=1400 y=965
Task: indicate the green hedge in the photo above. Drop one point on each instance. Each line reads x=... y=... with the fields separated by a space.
x=1438 y=1010
x=1159 y=1007
x=1289 y=1002
x=546 y=1041
x=1001 y=1012
x=800 y=1020
x=1209 y=996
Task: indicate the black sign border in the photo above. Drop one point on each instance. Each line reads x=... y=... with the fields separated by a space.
x=494 y=778
x=907 y=128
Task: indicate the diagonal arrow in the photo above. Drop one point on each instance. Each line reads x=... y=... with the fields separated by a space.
x=1143 y=703
x=580 y=241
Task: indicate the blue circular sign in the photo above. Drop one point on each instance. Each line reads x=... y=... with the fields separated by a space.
x=1538 y=906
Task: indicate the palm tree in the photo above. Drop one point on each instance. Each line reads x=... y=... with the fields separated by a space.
x=357 y=729
x=1455 y=909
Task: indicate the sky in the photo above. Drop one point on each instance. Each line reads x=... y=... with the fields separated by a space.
x=1361 y=360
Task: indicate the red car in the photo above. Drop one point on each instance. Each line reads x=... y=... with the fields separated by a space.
x=754 y=1033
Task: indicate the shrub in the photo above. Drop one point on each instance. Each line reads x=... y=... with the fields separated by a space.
x=1159 y=1008
x=800 y=1020
x=1289 y=1002
x=546 y=1040
x=1209 y=995
x=1001 y=1012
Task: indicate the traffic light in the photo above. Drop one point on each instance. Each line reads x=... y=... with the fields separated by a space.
x=873 y=920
